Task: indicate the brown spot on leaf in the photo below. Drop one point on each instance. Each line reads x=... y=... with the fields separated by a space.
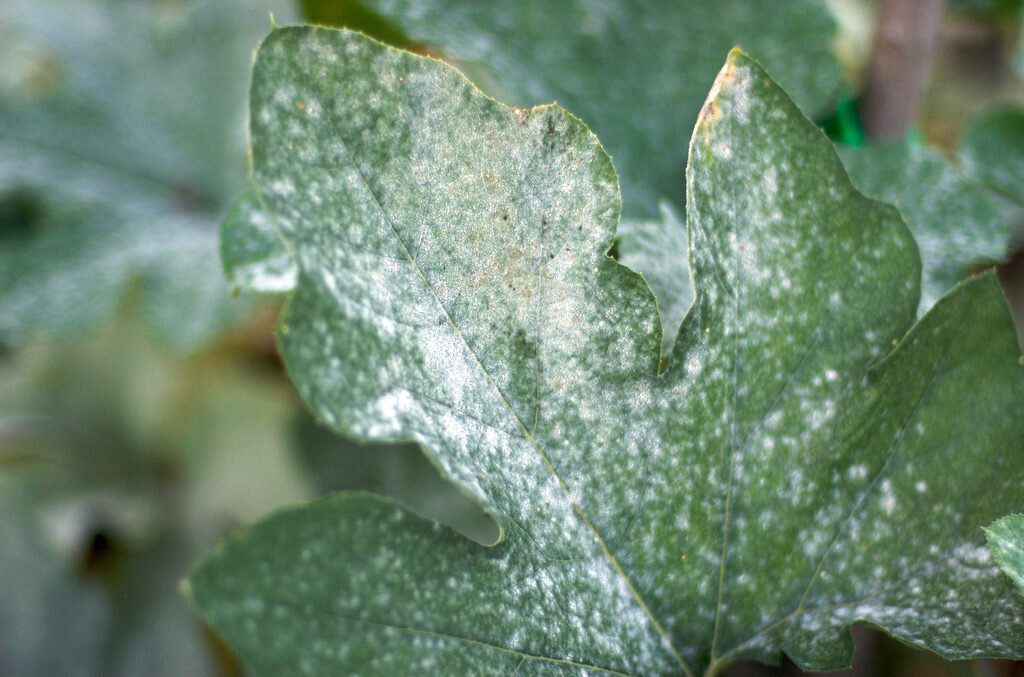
x=710 y=109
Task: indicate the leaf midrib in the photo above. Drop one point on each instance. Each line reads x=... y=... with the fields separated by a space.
x=895 y=448
x=527 y=434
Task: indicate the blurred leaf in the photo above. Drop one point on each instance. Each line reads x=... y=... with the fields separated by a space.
x=786 y=474
x=355 y=16
x=992 y=151
x=91 y=610
x=657 y=249
x=636 y=71
x=124 y=121
x=1007 y=8
x=53 y=623
x=955 y=225
x=1006 y=541
x=132 y=462
x=72 y=275
x=400 y=471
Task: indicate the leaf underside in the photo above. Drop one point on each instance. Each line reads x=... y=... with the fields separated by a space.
x=789 y=472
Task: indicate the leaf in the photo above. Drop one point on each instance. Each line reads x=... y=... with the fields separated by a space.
x=992 y=151
x=585 y=56
x=120 y=123
x=657 y=249
x=635 y=71
x=70 y=275
x=399 y=471
x=38 y=596
x=785 y=476
x=1018 y=61
x=252 y=253
x=953 y=222
x=1006 y=541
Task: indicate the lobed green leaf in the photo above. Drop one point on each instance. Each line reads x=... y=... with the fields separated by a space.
x=784 y=474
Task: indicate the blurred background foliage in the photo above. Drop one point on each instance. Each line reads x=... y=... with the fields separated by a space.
x=143 y=409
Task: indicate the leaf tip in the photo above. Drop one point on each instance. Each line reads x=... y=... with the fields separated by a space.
x=710 y=110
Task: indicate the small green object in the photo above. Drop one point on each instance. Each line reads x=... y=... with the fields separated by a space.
x=843 y=126
x=658 y=249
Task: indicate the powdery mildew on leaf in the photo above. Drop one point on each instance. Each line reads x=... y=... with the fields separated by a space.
x=992 y=151
x=953 y=222
x=251 y=250
x=1006 y=541
x=657 y=250
x=788 y=474
x=635 y=70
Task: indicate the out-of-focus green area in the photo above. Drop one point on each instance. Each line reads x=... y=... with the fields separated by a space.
x=143 y=410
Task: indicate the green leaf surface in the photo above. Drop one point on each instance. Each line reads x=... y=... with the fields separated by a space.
x=992 y=151
x=400 y=471
x=122 y=123
x=636 y=71
x=251 y=250
x=657 y=249
x=71 y=275
x=786 y=474
x=953 y=222
x=1006 y=541
x=1018 y=61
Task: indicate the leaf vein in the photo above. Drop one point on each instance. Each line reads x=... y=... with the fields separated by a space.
x=524 y=656
x=656 y=624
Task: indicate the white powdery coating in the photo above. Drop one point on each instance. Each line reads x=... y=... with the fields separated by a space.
x=272 y=275
x=463 y=251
